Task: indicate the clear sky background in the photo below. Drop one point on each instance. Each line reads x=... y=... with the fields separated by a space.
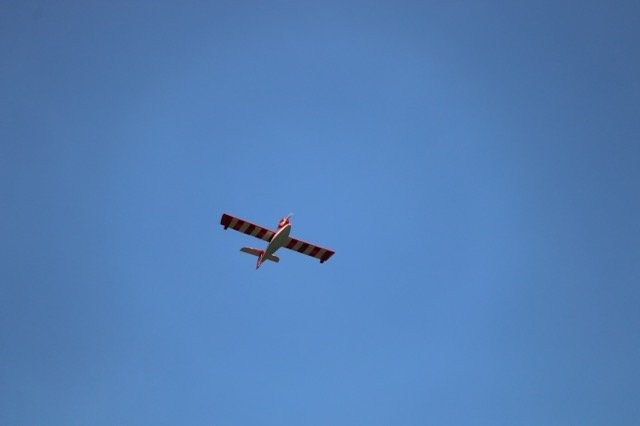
x=475 y=166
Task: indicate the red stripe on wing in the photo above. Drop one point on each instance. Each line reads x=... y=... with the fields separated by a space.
x=327 y=255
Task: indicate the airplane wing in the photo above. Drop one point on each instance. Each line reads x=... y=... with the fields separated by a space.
x=310 y=250
x=246 y=227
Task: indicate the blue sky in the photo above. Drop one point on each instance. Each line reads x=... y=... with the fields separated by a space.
x=475 y=166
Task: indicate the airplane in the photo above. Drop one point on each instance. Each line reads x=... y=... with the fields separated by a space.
x=276 y=239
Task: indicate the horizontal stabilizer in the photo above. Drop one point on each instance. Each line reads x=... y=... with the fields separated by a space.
x=257 y=252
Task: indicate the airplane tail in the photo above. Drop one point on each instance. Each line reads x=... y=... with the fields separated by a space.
x=260 y=254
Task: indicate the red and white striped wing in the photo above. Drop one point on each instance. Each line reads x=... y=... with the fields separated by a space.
x=246 y=227
x=310 y=250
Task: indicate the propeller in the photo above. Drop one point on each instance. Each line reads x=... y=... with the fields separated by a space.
x=284 y=220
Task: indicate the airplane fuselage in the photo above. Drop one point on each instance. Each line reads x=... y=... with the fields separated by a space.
x=279 y=239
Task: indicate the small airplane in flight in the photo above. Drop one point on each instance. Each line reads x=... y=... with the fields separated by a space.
x=276 y=239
